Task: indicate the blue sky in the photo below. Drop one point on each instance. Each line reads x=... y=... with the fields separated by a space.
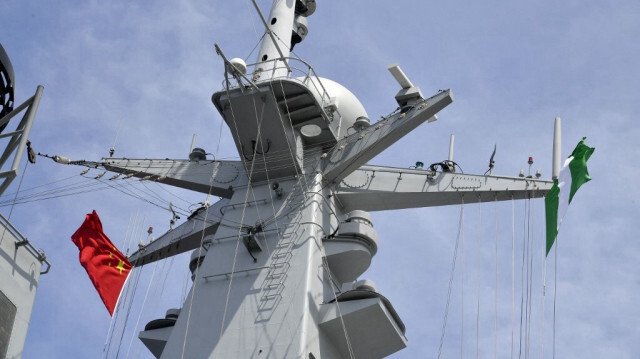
x=512 y=66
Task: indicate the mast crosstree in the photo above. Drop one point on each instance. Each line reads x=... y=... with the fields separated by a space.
x=276 y=262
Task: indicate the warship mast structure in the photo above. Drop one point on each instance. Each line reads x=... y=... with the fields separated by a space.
x=276 y=261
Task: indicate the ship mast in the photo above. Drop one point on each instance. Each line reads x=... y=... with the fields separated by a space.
x=276 y=263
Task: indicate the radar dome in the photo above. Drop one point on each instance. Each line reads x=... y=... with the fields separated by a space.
x=339 y=100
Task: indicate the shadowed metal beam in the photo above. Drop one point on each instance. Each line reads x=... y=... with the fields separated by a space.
x=356 y=150
x=185 y=237
x=376 y=188
x=215 y=177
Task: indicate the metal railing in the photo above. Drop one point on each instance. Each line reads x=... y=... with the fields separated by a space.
x=297 y=70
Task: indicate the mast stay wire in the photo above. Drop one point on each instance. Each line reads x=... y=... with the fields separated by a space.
x=462 y=294
x=530 y=233
x=478 y=275
x=87 y=186
x=204 y=224
x=303 y=177
x=522 y=273
x=144 y=302
x=451 y=276
x=126 y=191
x=555 y=292
x=513 y=270
x=128 y=312
x=532 y=322
x=544 y=294
x=174 y=195
x=24 y=170
x=38 y=186
x=246 y=197
x=255 y=31
x=133 y=293
x=334 y=289
x=495 y=334
x=155 y=294
x=114 y=318
x=79 y=188
x=131 y=288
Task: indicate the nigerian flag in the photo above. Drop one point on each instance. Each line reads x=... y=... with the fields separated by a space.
x=572 y=175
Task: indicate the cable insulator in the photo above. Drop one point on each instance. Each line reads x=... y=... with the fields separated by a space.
x=61 y=159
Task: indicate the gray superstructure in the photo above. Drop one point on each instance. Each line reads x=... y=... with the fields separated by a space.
x=276 y=262
x=21 y=264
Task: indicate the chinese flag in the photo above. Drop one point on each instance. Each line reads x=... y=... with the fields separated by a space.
x=107 y=267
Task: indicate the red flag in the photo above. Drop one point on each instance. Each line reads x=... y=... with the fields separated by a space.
x=107 y=267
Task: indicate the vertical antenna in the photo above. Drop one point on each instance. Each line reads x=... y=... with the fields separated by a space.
x=193 y=142
x=451 y=148
x=112 y=150
x=557 y=148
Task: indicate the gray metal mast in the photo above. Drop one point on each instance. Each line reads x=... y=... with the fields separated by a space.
x=276 y=261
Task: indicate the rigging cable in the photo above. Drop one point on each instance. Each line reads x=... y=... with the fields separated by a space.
x=114 y=319
x=513 y=268
x=478 y=275
x=462 y=293
x=522 y=284
x=156 y=295
x=118 y=303
x=24 y=170
x=555 y=291
x=531 y=220
x=335 y=295
x=41 y=185
x=544 y=293
x=451 y=276
x=264 y=159
x=495 y=334
x=129 y=294
x=246 y=198
x=305 y=192
x=144 y=301
x=204 y=226
x=255 y=31
x=131 y=298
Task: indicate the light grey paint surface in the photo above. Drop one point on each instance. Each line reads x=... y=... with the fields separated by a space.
x=19 y=276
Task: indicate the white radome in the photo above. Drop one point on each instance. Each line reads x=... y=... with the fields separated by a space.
x=345 y=102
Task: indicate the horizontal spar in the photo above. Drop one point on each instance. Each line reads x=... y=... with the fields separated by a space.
x=214 y=177
x=376 y=188
x=187 y=236
x=359 y=148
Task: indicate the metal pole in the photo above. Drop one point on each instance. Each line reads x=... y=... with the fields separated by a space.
x=451 y=148
x=557 y=148
x=31 y=114
x=281 y=23
x=193 y=143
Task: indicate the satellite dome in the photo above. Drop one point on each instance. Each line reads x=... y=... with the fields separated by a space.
x=339 y=100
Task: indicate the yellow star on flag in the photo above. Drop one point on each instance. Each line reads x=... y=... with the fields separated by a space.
x=121 y=267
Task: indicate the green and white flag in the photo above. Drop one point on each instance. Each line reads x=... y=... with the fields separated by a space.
x=572 y=175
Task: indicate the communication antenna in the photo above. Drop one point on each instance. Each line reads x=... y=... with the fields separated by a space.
x=112 y=150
